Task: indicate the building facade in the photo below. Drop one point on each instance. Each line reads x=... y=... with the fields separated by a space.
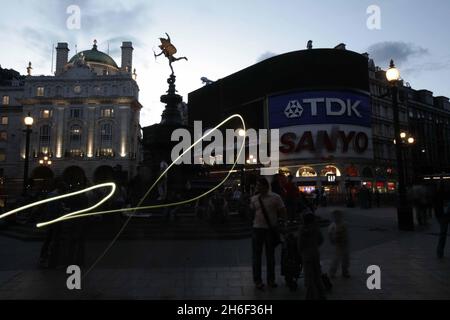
x=334 y=112
x=11 y=129
x=423 y=117
x=86 y=117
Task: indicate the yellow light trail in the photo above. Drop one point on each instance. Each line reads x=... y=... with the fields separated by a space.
x=71 y=215
x=81 y=213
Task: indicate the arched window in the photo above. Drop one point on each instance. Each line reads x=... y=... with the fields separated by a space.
x=58 y=90
x=75 y=134
x=352 y=171
x=306 y=172
x=330 y=170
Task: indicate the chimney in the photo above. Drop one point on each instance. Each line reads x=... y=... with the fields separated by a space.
x=62 y=56
x=127 y=56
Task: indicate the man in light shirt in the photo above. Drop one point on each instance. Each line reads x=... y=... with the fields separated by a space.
x=274 y=207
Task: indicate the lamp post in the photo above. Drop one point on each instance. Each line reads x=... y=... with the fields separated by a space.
x=406 y=142
x=45 y=161
x=28 y=123
x=404 y=211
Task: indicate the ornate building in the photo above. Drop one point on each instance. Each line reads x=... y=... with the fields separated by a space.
x=11 y=126
x=86 y=116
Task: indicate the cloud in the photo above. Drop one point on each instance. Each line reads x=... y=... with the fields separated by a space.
x=266 y=55
x=428 y=66
x=401 y=52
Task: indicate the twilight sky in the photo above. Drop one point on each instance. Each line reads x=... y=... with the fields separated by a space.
x=222 y=37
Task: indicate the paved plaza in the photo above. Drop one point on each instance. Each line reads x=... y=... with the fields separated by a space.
x=221 y=269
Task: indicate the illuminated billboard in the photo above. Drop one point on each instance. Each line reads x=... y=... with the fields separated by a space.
x=322 y=124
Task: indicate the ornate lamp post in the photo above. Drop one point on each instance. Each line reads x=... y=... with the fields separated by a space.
x=28 y=123
x=45 y=161
x=404 y=211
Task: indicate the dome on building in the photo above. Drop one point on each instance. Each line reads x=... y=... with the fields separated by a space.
x=94 y=56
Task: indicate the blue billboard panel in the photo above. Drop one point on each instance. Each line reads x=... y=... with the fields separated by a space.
x=319 y=107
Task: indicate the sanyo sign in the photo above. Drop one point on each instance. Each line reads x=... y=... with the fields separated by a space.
x=318 y=124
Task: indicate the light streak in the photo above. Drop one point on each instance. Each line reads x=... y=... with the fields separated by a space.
x=71 y=215
x=159 y=178
x=81 y=213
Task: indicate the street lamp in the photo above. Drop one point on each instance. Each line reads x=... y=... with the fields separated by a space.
x=28 y=120
x=45 y=161
x=404 y=212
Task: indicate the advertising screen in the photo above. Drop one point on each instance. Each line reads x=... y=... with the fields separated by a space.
x=319 y=124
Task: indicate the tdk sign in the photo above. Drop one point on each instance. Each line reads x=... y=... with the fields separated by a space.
x=293 y=109
x=319 y=107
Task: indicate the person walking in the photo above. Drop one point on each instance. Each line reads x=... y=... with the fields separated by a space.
x=338 y=234
x=292 y=198
x=309 y=241
x=50 y=248
x=268 y=207
x=277 y=185
x=442 y=212
x=377 y=197
x=74 y=230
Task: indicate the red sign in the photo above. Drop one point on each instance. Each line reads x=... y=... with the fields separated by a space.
x=307 y=142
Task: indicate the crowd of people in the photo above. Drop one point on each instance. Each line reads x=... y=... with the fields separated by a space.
x=281 y=200
x=269 y=204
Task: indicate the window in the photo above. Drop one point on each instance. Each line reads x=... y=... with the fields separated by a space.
x=75 y=136
x=2 y=155
x=44 y=139
x=107 y=113
x=74 y=153
x=44 y=150
x=46 y=113
x=3 y=136
x=106 y=133
x=5 y=100
x=77 y=89
x=40 y=91
x=4 y=120
x=106 y=152
x=76 y=113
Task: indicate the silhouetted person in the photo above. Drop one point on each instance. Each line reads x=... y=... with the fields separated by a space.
x=309 y=241
x=268 y=207
x=277 y=187
x=420 y=203
x=442 y=212
x=377 y=197
x=316 y=197
x=218 y=207
x=51 y=247
x=338 y=234
x=292 y=197
x=74 y=229
x=369 y=198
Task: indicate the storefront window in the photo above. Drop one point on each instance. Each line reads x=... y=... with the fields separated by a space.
x=391 y=186
x=306 y=172
x=351 y=171
x=330 y=170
